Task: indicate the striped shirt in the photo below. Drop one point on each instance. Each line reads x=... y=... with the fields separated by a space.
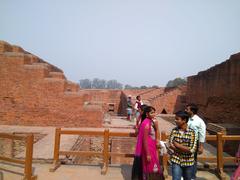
x=186 y=138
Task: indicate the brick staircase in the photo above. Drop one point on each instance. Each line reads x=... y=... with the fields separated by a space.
x=39 y=93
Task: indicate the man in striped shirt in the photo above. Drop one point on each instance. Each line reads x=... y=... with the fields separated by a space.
x=183 y=142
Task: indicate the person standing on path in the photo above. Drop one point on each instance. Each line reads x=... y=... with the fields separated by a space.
x=137 y=106
x=146 y=163
x=183 y=143
x=199 y=126
x=129 y=107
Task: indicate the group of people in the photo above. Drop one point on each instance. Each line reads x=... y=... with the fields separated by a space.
x=133 y=108
x=184 y=144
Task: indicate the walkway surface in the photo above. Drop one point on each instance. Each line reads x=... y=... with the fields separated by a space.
x=76 y=172
x=43 y=152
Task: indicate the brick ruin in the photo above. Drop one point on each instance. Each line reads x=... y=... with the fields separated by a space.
x=217 y=91
x=165 y=100
x=34 y=92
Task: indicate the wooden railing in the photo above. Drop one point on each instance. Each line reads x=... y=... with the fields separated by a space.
x=106 y=134
x=28 y=157
x=219 y=158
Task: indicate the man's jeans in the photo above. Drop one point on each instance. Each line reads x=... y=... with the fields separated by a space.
x=194 y=170
x=178 y=172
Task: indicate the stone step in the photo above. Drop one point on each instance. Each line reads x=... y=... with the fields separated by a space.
x=37 y=70
x=16 y=58
x=58 y=75
x=5 y=47
x=17 y=49
x=72 y=87
x=54 y=85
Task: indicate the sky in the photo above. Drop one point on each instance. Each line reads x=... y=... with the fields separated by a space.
x=136 y=42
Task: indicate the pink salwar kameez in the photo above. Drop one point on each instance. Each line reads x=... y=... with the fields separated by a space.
x=146 y=145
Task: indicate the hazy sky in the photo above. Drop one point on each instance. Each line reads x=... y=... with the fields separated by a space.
x=135 y=42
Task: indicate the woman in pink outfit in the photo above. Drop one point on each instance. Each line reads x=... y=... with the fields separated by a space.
x=146 y=163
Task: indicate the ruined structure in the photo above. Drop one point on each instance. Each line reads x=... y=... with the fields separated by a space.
x=170 y=101
x=165 y=100
x=217 y=91
x=34 y=92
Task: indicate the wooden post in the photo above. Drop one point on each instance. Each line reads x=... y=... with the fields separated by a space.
x=105 y=152
x=28 y=158
x=165 y=158
x=56 y=162
x=220 y=156
x=110 y=150
x=12 y=147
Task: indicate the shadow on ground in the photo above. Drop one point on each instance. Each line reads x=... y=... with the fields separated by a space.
x=126 y=171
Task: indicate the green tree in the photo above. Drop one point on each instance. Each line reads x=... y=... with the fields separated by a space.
x=176 y=82
x=127 y=86
x=143 y=87
x=113 y=84
x=85 y=83
x=98 y=83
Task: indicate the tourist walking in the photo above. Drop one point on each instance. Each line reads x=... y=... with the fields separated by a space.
x=183 y=143
x=199 y=126
x=137 y=107
x=146 y=163
x=129 y=107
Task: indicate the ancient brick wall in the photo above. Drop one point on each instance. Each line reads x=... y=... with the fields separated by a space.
x=217 y=91
x=170 y=101
x=109 y=100
x=151 y=93
x=34 y=92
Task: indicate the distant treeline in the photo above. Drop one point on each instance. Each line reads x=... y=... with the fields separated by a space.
x=114 y=84
x=100 y=84
x=176 y=82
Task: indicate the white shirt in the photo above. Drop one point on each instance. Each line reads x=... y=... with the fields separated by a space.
x=198 y=125
x=136 y=105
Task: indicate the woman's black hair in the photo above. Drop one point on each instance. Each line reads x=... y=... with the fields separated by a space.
x=146 y=110
x=142 y=107
x=183 y=115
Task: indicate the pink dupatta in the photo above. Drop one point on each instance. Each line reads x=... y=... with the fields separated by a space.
x=145 y=145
